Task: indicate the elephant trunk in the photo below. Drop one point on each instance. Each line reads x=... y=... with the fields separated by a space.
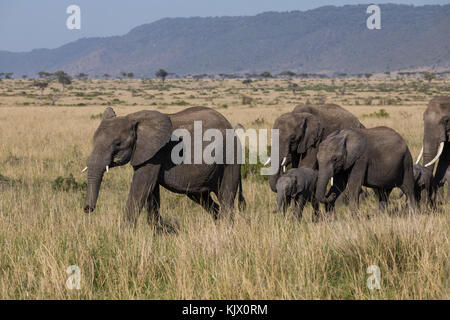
x=322 y=183
x=430 y=147
x=96 y=169
x=284 y=159
x=273 y=180
x=281 y=202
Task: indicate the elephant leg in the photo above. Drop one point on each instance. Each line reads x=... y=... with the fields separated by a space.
x=152 y=207
x=144 y=181
x=228 y=189
x=383 y=198
x=206 y=201
x=408 y=185
x=299 y=206
x=441 y=170
x=422 y=197
x=355 y=182
x=340 y=183
x=316 y=214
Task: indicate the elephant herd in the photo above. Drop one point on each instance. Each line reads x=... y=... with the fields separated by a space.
x=322 y=143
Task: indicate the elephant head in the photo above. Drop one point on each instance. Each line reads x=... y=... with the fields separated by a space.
x=337 y=153
x=135 y=138
x=436 y=131
x=299 y=135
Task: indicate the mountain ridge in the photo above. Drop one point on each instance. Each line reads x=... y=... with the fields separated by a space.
x=326 y=39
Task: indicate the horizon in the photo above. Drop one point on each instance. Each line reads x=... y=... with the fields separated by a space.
x=29 y=37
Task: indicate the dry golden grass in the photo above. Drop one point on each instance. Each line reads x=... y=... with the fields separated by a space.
x=260 y=256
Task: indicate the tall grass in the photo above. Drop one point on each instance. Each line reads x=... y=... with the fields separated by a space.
x=260 y=255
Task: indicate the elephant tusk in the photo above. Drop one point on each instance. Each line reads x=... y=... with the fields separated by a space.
x=331 y=181
x=420 y=156
x=84 y=170
x=267 y=162
x=284 y=169
x=284 y=161
x=441 y=148
x=107 y=169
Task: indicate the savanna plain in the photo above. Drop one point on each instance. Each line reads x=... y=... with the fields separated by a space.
x=260 y=255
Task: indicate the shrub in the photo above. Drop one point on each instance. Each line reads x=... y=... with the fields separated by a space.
x=68 y=184
x=380 y=114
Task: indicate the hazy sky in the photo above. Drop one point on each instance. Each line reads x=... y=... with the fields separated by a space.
x=29 y=24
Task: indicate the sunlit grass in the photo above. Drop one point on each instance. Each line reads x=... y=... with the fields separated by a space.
x=262 y=255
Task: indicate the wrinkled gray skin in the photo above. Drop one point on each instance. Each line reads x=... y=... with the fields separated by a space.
x=442 y=183
x=423 y=179
x=303 y=129
x=298 y=184
x=377 y=158
x=436 y=120
x=143 y=139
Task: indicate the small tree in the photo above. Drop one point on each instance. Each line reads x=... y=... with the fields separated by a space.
x=266 y=74
x=162 y=74
x=287 y=73
x=63 y=78
x=41 y=85
x=44 y=74
x=8 y=75
x=130 y=74
x=367 y=75
x=247 y=82
x=429 y=76
x=106 y=76
x=294 y=87
x=82 y=76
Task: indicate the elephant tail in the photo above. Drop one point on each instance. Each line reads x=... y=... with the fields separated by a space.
x=242 y=204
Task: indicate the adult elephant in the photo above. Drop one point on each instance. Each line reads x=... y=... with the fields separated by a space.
x=436 y=139
x=301 y=131
x=145 y=139
x=377 y=158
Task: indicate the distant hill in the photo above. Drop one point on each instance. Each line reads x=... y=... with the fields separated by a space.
x=327 y=39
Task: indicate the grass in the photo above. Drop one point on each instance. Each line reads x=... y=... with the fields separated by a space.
x=262 y=255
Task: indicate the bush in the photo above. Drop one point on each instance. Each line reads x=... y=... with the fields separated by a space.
x=96 y=116
x=380 y=114
x=252 y=171
x=246 y=100
x=68 y=184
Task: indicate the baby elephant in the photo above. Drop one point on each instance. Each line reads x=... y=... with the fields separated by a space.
x=297 y=184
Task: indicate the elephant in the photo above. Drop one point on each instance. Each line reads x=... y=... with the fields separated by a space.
x=301 y=132
x=436 y=140
x=377 y=158
x=298 y=184
x=145 y=139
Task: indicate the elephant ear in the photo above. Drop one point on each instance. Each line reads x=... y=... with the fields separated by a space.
x=310 y=131
x=354 y=145
x=153 y=131
x=445 y=122
x=299 y=186
x=108 y=113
